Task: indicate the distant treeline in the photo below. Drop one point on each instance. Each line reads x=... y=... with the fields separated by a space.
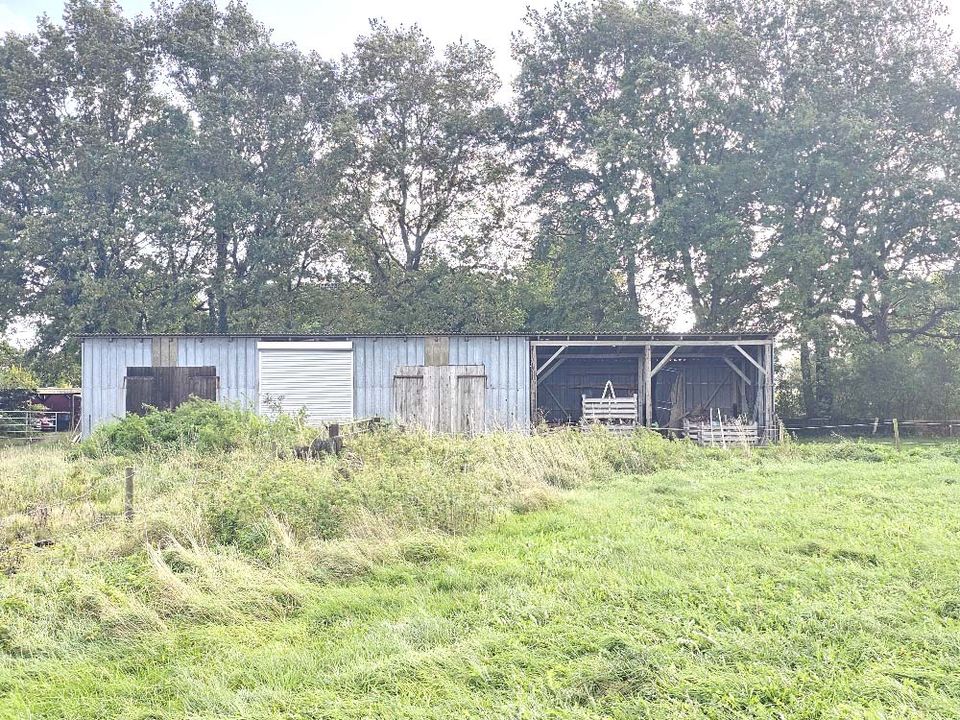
x=784 y=164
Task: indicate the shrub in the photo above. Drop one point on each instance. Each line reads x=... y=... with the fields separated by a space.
x=199 y=424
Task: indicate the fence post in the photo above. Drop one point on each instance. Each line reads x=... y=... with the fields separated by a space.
x=128 y=495
x=782 y=431
x=333 y=431
x=896 y=433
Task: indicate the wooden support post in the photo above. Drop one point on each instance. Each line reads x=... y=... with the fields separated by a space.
x=782 y=431
x=647 y=388
x=333 y=431
x=876 y=422
x=769 y=389
x=128 y=495
x=896 y=433
x=534 y=402
x=641 y=404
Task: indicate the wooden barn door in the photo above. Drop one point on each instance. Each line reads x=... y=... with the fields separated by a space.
x=443 y=398
x=408 y=403
x=168 y=387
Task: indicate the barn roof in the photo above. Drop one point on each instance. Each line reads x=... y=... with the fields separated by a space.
x=540 y=336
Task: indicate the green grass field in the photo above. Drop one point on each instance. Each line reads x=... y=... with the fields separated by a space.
x=567 y=576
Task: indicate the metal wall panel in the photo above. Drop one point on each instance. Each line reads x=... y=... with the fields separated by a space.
x=507 y=363
x=374 y=363
x=235 y=360
x=506 y=360
x=105 y=362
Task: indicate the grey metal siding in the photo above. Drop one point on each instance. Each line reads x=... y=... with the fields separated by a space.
x=506 y=359
x=235 y=360
x=374 y=363
x=507 y=362
x=105 y=363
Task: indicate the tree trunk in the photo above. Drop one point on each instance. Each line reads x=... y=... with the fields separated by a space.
x=807 y=391
x=218 y=296
x=824 y=388
x=631 y=271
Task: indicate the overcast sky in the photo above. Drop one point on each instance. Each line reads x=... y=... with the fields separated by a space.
x=329 y=26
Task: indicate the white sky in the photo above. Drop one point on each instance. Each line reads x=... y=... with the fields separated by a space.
x=330 y=26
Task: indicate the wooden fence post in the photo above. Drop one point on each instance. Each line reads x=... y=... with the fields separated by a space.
x=896 y=433
x=128 y=495
x=782 y=431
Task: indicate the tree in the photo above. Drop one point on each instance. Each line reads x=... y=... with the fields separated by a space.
x=422 y=162
x=862 y=161
x=253 y=163
x=84 y=186
x=627 y=112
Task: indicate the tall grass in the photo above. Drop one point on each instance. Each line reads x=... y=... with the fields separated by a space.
x=355 y=561
x=227 y=523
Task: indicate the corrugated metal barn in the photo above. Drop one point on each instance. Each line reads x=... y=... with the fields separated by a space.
x=455 y=383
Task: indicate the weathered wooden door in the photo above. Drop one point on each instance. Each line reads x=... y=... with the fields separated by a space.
x=167 y=387
x=442 y=398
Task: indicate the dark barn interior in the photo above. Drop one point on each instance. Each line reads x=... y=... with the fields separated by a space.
x=692 y=380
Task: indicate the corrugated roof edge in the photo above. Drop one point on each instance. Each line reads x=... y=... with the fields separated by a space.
x=531 y=336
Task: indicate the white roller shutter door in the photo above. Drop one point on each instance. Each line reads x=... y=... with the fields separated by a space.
x=316 y=377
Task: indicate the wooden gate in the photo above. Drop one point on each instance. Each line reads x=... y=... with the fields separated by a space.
x=167 y=387
x=441 y=398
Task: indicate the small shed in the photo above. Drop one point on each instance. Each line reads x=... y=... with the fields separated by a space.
x=443 y=382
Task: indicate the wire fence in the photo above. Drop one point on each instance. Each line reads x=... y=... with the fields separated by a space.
x=872 y=427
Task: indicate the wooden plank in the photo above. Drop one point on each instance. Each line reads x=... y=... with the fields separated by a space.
x=164 y=351
x=436 y=350
x=551 y=370
x=534 y=399
x=664 y=360
x=738 y=371
x=139 y=393
x=550 y=360
x=203 y=387
x=470 y=401
x=748 y=357
x=769 y=389
x=644 y=343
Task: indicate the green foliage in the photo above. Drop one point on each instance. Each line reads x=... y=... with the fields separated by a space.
x=743 y=163
x=205 y=426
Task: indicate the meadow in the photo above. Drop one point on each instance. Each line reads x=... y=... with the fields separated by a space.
x=562 y=575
